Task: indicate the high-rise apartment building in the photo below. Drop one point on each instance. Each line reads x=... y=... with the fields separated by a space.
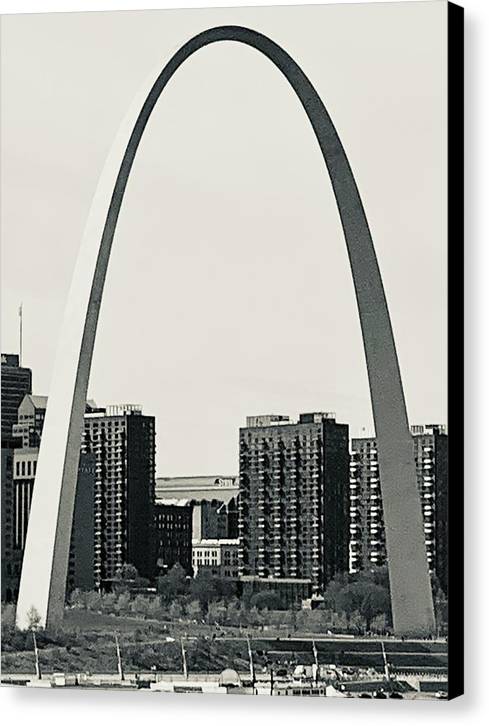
x=16 y=382
x=81 y=561
x=367 y=533
x=122 y=440
x=293 y=501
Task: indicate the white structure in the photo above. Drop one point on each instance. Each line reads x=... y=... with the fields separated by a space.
x=218 y=556
x=42 y=587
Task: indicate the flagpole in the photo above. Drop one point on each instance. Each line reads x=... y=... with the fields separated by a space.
x=20 y=335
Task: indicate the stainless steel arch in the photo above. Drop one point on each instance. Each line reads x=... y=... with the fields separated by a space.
x=46 y=553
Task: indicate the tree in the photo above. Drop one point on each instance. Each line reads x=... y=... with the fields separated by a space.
x=375 y=601
x=77 y=598
x=266 y=601
x=93 y=601
x=176 y=610
x=123 y=602
x=216 y=612
x=109 y=601
x=8 y=615
x=379 y=624
x=194 y=611
x=127 y=572
x=202 y=589
x=366 y=592
x=140 y=605
x=174 y=584
x=33 y=618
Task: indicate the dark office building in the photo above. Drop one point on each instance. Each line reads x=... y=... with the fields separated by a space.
x=11 y=562
x=293 y=501
x=16 y=382
x=215 y=519
x=122 y=440
x=173 y=524
x=367 y=533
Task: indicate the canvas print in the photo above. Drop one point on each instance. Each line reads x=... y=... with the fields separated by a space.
x=231 y=250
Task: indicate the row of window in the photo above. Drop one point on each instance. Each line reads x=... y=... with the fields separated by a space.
x=26 y=467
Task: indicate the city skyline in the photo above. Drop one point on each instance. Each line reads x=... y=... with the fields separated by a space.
x=288 y=419
x=254 y=343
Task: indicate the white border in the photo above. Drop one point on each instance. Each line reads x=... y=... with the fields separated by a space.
x=59 y=707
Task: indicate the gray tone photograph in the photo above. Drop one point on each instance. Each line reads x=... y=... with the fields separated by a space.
x=224 y=323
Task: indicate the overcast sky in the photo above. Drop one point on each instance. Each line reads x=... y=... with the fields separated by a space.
x=229 y=291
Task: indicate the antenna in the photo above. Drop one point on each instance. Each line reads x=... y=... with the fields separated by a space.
x=20 y=335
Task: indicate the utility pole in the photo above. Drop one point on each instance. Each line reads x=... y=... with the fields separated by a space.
x=316 y=660
x=119 y=659
x=36 y=656
x=184 y=659
x=386 y=663
x=252 y=665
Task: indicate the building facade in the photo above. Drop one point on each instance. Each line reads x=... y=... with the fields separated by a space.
x=30 y=420
x=218 y=557
x=367 y=533
x=16 y=382
x=215 y=486
x=173 y=532
x=11 y=562
x=81 y=558
x=122 y=441
x=293 y=500
x=215 y=519
x=81 y=565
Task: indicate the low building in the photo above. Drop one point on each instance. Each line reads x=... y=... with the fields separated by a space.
x=173 y=529
x=211 y=487
x=291 y=591
x=215 y=503
x=218 y=557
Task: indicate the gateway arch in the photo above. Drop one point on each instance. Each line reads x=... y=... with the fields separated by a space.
x=46 y=553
